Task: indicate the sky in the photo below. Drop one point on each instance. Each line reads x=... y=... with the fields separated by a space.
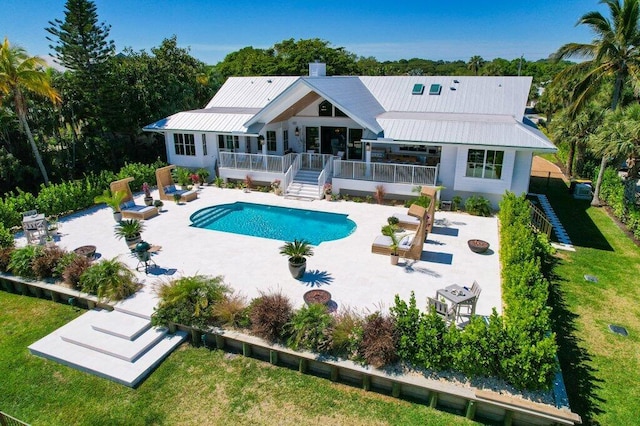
x=387 y=30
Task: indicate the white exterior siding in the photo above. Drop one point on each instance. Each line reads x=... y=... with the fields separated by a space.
x=481 y=185
x=521 y=172
x=447 y=170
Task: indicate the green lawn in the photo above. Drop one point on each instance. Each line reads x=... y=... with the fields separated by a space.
x=192 y=386
x=601 y=369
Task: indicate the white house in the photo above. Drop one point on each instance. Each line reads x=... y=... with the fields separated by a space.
x=467 y=134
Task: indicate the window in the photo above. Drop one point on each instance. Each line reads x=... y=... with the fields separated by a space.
x=418 y=89
x=325 y=109
x=484 y=164
x=435 y=89
x=339 y=113
x=271 y=140
x=285 y=139
x=184 y=144
x=228 y=142
x=204 y=145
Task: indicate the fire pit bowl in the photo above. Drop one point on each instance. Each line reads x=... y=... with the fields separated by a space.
x=478 y=246
x=321 y=297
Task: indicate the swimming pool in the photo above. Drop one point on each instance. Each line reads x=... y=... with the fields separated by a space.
x=276 y=223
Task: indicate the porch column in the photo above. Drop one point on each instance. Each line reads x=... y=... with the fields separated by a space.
x=367 y=159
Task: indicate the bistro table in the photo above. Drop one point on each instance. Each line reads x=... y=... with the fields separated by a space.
x=457 y=295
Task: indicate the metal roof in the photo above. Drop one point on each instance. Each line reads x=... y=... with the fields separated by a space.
x=251 y=92
x=477 y=95
x=464 y=129
x=222 y=120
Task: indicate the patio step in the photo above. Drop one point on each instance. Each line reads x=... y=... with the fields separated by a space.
x=119 y=324
x=80 y=345
x=210 y=215
x=304 y=185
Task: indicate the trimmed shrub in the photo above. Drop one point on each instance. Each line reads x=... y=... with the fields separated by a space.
x=190 y=300
x=308 y=327
x=109 y=279
x=379 y=340
x=6 y=238
x=269 y=314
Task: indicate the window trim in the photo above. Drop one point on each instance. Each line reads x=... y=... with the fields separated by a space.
x=271 y=141
x=490 y=170
x=184 y=144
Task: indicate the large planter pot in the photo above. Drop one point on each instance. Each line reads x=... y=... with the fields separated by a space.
x=132 y=240
x=478 y=246
x=117 y=216
x=148 y=201
x=297 y=269
x=394 y=259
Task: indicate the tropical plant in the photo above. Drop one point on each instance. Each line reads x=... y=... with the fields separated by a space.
x=128 y=228
x=21 y=262
x=177 y=198
x=74 y=269
x=248 y=182
x=113 y=200
x=190 y=300
x=109 y=279
x=614 y=53
x=346 y=333
x=218 y=182
x=44 y=266
x=21 y=74
x=308 y=328
x=146 y=189
x=231 y=310
x=5 y=258
x=269 y=315
x=392 y=220
x=183 y=176
x=203 y=174
x=158 y=203
x=456 y=202
x=297 y=251
x=478 y=205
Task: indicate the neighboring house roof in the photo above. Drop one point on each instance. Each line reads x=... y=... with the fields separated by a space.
x=468 y=110
x=465 y=129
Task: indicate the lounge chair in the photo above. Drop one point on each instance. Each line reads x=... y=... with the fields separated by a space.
x=410 y=246
x=167 y=189
x=409 y=220
x=129 y=208
x=432 y=193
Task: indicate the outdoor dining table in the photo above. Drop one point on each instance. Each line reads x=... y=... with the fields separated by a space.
x=456 y=295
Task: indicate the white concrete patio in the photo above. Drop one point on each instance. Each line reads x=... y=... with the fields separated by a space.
x=346 y=268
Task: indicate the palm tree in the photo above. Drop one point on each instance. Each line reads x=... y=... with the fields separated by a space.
x=475 y=63
x=620 y=139
x=614 y=53
x=20 y=73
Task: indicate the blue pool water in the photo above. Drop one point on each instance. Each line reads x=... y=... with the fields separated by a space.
x=276 y=223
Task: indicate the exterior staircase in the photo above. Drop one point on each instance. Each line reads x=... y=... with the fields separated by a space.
x=304 y=185
x=120 y=345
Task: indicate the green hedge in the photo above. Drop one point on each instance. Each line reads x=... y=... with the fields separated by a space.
x=517 y=346
x=612 y=193
x=66 y=197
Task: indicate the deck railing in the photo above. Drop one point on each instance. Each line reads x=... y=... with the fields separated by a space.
x=383 y=172
x=539 y=221
x=312 y=161
x=256 y=162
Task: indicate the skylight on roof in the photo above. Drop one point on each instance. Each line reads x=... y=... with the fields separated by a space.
x=418 y=89
x=435 y=89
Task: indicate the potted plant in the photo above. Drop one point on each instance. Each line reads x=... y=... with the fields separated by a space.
x=218 y=182
x=183 y=176
x=297 y=252
x=130 y=230
x=112 y=200
x=158 y=204
x=195 y=180
x=275 y=187
x=247 y=184
x=390 y=231
x=177 y=198
x=148 y=199
x=327 y=191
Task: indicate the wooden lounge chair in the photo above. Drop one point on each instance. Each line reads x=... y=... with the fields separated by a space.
x=167 y=189
x=410 y=249
x=432 y=193
x=411 y=220
x=128 y=207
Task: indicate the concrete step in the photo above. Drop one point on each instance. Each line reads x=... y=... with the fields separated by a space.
x=53 y=347
x=119 y=324
x=128 y=350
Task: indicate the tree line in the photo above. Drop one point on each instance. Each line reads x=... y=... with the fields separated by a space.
x=58 y=125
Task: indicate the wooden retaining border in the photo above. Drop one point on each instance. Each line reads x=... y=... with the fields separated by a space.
x=468 y=402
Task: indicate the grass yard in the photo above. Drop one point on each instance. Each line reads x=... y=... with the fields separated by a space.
x=194 y=386
x=601 y=369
